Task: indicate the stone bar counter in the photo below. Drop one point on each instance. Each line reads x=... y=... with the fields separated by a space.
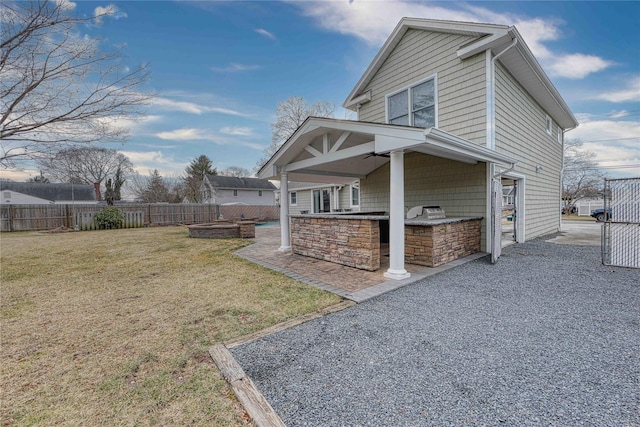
x=353 y=238
x=439 y=241
x=348 y=239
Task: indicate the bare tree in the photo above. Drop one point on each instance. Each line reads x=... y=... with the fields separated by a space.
x=87 y=165
x=581 y=176
x=290 y=114
x=235 y=171
x=58 y=87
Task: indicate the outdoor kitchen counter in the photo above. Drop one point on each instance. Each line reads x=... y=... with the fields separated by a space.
x=353 y=238
x=438 y=241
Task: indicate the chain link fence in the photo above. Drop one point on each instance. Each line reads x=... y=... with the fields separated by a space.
x=621 y=230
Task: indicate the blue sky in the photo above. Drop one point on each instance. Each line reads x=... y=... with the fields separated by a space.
x=220 y=68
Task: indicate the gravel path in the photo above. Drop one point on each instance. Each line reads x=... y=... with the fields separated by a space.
x=548 y=336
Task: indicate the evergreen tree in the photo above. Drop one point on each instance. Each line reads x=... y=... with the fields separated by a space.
x=195 y=173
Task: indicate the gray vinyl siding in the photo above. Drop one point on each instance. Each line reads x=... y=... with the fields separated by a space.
x=520 y=131
x=459 y=188
x=303 y=202
x=461 y=85
x=249 y=197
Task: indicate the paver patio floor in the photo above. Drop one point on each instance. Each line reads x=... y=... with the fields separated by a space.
x=348 y=279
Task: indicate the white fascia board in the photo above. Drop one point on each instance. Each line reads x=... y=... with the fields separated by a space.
x=362 y=99
x=483 y=44
x=346 y=153
x=459 y=145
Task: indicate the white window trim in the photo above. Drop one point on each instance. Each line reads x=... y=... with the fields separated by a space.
x=548 y=125
x=291 y=194
x=559 y=136
x=351 y=205
x=433 y=77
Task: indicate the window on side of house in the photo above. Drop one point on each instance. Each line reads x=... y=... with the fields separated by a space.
x=355 y=195
x=259 y=193
x=293 y=196
x=235 y=193
x=548 y=125
x=414 y=105
x=560 y=136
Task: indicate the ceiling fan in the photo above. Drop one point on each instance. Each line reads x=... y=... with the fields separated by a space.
x=374 y=154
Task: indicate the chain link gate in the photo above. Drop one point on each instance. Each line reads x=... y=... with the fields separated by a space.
x=621 y=230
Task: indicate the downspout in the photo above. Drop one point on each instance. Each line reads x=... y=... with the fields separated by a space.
x=491 y=111
x=491 y=135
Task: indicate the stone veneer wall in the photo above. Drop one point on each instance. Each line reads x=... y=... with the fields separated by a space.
x=352 y=242
x=439 y=244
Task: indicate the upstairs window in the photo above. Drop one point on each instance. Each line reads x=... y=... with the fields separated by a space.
x=259 y=193
x=294 y=198
x=414 y=105
x=235 y=193
x=548 y=125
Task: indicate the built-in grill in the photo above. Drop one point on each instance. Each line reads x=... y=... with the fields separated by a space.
x=426 y=213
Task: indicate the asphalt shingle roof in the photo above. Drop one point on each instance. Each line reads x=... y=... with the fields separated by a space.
x=233 y=182
x=52 y=192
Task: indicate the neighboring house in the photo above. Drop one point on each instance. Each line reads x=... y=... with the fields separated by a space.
x=35 y=193
x=447 y=113
x=307 y=197
x=222 y=190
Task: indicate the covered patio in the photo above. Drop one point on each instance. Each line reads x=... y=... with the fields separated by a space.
x=341 y=151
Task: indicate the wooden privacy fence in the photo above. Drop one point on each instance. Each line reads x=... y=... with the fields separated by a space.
x=80 y=217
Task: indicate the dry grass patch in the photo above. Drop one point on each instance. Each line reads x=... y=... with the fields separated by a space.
x=112 y=327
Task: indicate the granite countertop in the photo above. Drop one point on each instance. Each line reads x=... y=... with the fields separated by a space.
x=449 y=220
x=343 y=215
x=374 y=217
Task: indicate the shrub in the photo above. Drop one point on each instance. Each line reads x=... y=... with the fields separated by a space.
x=110 y=217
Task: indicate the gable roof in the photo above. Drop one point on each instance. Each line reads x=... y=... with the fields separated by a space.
x=52 y=192
x=519 y=61
x=220 y=181
x=361 y=147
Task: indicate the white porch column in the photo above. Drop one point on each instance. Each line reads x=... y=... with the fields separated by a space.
x=285 y=238
x=396 y=218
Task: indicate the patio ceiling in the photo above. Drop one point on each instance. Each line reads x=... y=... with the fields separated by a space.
x=339 y=151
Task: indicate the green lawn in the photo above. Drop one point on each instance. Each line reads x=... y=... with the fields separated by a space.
x=112 y=327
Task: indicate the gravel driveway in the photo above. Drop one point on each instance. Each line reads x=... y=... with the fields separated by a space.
x=548 y=336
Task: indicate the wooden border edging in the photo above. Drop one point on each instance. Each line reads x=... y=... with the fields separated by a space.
x=288 y=324
x=254 y=403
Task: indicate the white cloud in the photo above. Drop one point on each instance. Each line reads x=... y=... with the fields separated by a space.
x=194 y=134
x=374 y=21
x=192 y=107
x=144 y=161
x=237 y=131
x=185 y=134
x=616 y=143
x=265 y=33
x=577 y=65
x=235 y=68
x=630 y=93
x=111 y=11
